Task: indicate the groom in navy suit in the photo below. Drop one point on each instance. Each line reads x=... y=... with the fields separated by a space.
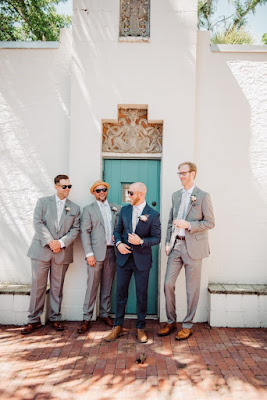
x=138 y=228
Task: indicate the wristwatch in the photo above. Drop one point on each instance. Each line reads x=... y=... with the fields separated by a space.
x=141 y=242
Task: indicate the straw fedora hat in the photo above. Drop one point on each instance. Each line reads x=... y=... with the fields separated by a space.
x=98 y=183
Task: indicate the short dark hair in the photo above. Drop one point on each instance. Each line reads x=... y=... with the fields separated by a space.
x=59 y=177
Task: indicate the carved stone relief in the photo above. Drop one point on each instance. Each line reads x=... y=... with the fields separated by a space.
x=132 y=133
x=134 y=18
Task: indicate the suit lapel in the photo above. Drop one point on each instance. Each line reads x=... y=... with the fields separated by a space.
x=113 y=216
x=191 y=203
x=144 y=212
x=177 y=204
x=130 y=216
x=64 y=212
x=98 y=213
x=54 y=210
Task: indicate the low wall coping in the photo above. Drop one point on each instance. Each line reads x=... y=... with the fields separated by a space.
x=226 y=288
x=29 y=45
x=19 y=289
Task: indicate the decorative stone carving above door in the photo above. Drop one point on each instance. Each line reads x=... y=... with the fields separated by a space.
x=134 y=18
x=132 y=133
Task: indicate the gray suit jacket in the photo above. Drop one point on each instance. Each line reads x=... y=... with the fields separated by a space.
x=93 y=229
x=45 y=225
x=200 y=215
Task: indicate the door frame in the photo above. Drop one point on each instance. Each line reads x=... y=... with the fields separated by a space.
x=142 y=156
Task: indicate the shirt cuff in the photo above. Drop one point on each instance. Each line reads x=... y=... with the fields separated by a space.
x=89 y=254
x=61 y=243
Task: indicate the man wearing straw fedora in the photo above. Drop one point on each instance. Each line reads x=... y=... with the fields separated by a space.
x=97 y=226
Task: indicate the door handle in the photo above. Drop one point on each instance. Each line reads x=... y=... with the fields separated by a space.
x=154 y=203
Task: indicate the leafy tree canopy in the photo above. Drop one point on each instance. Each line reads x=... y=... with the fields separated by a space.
x=31 y=20
x=227 y=29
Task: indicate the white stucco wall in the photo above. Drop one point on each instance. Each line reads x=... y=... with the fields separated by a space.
x=34 y=143
x=213 y=106
x=106 y=72
x=231 y=132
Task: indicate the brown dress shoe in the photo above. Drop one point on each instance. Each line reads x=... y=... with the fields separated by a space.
x=84 y=327
x=107 y=320
x=183 y=334
x=31 y=328
x=166 y=329
x=141 y=336
x=57 y=326
x=114 y=334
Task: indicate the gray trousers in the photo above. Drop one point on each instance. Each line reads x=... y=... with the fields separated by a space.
x=178 y=258
x=103 y=274
x=40 y=270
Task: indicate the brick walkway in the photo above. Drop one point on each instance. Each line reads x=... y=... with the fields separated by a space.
x=217 y=363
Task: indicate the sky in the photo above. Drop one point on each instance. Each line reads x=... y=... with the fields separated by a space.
x=257 y=23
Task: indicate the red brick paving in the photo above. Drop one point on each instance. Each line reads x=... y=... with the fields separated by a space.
x=214 y=363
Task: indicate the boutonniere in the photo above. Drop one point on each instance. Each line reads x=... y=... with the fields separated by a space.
x=144 y=217
x=114 y=209
x=67 y=209
x=193 y=199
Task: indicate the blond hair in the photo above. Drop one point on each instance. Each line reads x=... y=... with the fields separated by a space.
x=192 y=166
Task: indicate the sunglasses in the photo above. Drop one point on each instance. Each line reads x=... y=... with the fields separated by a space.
x=101 y=190
x=66 y=186
x=130 y=193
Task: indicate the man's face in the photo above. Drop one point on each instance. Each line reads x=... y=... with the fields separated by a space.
x=101 y=193
x=186 y=176
x=62 y=188
x=135 y=196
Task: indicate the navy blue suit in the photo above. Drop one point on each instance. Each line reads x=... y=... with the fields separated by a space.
x=138 y=262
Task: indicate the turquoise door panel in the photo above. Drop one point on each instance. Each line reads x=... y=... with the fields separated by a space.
x=119 y=173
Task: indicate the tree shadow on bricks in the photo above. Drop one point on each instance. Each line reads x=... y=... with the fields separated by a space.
x=212 y=363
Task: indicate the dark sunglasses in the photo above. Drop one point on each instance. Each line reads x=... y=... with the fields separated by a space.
x=130 y=193
x=101 y=190
x=66 y=186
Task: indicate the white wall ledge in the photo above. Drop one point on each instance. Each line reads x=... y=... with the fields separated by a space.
x=29 y=45
x=238 y=48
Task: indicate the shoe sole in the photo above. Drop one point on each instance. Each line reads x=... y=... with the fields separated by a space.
x=142 y=341
x=81 y=332
x=113 y=340
x=185 y=337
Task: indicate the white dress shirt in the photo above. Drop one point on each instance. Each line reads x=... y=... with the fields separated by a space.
x=60 y=207
x=181 y=232
x=139 y=209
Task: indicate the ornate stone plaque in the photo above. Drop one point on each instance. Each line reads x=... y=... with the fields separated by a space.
x=134 y=18
x=132 y=133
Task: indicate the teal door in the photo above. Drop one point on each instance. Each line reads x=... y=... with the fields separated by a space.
x=120 y=174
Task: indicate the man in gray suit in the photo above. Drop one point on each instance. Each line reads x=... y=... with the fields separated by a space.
x=57 y=224
x=187 y=244
x=97 y=226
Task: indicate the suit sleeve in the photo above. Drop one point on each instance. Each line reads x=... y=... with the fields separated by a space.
x=208 y=221
x=74 y=230
x=40 y=228
x=169 y=226
x=86 y=228
x=155 y=233
x=118 y=231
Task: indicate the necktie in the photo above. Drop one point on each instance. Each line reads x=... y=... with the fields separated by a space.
x=60 y=206
x=181 y=212
x=134 y=217
x=106 y=223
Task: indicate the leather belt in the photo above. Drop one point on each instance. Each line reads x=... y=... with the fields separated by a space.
x=110 y=247
x=180 y=237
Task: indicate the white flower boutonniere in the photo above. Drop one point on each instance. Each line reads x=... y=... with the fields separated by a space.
x=67 y=209
x=114 y=209
x=144 y=217
x=193 y=199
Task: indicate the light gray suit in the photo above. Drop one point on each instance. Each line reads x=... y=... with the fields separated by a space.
x=44 y=260
x=188 y=253
x=94 y=241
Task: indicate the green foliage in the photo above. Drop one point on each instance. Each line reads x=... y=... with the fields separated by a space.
x=264 y=38
x=31 y=20
x=234 y=36
x=226 y=28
